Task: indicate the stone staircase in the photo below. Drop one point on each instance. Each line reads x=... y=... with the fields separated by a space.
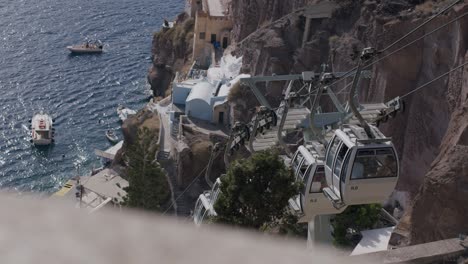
x=183 y=204
x=175 y=129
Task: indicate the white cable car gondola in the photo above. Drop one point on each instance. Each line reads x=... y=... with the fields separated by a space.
x=308 y=168
x=204 y=207
x=241 y=133
x=361 y=163
x=360 y=169
x=266 y=119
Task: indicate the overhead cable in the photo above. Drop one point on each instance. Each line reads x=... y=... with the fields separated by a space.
x=434 y=80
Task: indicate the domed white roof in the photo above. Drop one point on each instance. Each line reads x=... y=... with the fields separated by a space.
x=202 y=91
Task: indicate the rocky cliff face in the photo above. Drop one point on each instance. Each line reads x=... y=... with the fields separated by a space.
x=429 y=136
x=254 y=14
x=171 y=49
x=440 y=210
x=193 y=158
x=143 y=119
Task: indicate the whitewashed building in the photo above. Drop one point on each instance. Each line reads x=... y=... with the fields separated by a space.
x=205 y=99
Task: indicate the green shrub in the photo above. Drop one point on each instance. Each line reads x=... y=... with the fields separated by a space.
x=180 y=32
x=255 y=193
x=357 y=217
x=148 y=187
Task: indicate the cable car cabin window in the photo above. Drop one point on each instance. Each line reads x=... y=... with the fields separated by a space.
x=303 y=170
x=319 y=181
x=344 y=170
x=201 y=214
x=305 y=178
x=374 y=163
x=297 y=161
x=339 y=159
x=205 y=212
x=332 y=151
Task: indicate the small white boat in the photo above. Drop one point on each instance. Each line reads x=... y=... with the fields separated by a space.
x=124 y=112
x=112 y=137
x=42 y=131
x=88 y=47
x=167 y=25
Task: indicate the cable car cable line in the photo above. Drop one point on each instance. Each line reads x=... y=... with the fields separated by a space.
x=397 y=50
x=348 y=73
x=420 y=26
x=188 y=187
x=416 y=40
x=434 y=80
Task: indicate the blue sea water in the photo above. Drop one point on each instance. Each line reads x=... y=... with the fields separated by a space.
x=81 y=92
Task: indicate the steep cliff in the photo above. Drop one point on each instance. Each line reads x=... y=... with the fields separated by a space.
x=440 y=210
x=429 y=130
x=192 y=159
x=143 y=119
x=252 y=15
x=170 y=51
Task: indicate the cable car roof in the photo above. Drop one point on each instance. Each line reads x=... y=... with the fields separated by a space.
x=308 y=155
x=353 y=135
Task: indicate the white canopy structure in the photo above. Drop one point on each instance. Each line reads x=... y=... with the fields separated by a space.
x=373 y=241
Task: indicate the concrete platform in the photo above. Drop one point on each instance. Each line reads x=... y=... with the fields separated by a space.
x=110 y=152
x=105 y=187
x=433 y=252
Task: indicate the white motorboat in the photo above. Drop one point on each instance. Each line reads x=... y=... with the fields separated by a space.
x=112 y=137
x=125 y=112
x=88 y=47
x=42 y=131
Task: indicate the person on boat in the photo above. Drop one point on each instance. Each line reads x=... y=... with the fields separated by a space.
x=87 y=44
x=166 y=23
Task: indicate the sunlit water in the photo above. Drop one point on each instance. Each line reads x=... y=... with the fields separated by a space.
x=80 y=92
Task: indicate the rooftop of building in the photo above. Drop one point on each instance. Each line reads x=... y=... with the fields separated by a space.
x=217 y=8
x=107 y=183
x=202 y=91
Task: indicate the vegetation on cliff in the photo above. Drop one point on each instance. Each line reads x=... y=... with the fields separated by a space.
x=174 y=43
x=148 y=187
x=180 y=35
x=357 y=218
x=171 y=51
x=255 y=194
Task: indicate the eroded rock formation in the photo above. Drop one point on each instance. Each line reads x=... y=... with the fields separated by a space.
x=171 y=50
x=143 y=119
x=193 y=158
x=440 y=209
